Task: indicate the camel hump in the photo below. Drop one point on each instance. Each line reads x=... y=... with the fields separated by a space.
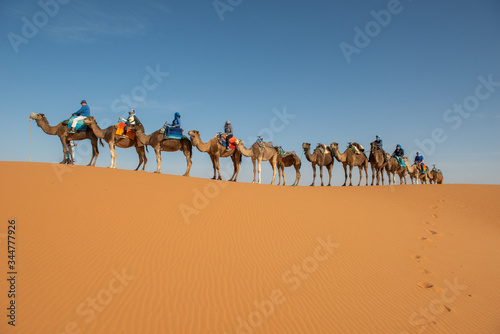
x=264 y=144
x=358 y=146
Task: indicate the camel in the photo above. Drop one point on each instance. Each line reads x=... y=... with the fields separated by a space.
x=159 y=144
x=392 y=167
x=216 y=151
x=322 y=159
x=61 y=130
x=349 y=158
x=288 y=161
x=259 y=151
x=113 y=140
x=377 y=163
x=415 y=173
x=435 y=175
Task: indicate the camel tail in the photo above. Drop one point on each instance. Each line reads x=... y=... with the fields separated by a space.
x=147 y=148
x=100 y=141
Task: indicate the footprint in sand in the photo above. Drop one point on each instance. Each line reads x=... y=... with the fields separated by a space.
x=424 y=271
x=426 y=223
x=432 y=232
x=424 y=239
x=425 y=285
x=434 y=207
x=441 y=201
x=434 y=215
x=416 y=257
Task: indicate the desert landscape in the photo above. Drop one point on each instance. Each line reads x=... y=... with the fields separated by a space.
x=102 y=250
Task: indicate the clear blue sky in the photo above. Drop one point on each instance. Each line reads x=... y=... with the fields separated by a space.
x=345 y=70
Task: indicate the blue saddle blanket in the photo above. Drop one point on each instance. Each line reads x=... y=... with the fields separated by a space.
x=172 y=133
x=400 y=161
x=80 y=126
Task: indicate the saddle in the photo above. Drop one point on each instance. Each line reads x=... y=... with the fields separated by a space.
x=263 y=145
x=172 y=133
x=323 y=149
x=434 y=169
x=284 y=153
x=356 y=148
x=80 y=126
x=422 y=167
x=222 y=140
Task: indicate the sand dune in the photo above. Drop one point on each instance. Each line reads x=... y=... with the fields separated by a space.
x=117 y=251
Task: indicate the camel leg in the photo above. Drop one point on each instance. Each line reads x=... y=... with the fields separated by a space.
x=234 y=168
x=213 y=165
x=144 y=157
x=187 y=154
x=112 y=154
x=366 y=172
x=217 y=166
x=95 y=152
x=297 y=175
x=345 y=174
x=283 y=173
x=321 y=174
x=360 y=174
x=253 y=162
x=330 y=169
x=141 y=152
x=260 y=166
x=373 y=175
x=65 y=151
x=273 y=164
x=314 y=174
x=158 y=159
x=350 y=174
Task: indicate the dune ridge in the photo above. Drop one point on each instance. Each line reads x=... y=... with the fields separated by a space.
x=118 y=251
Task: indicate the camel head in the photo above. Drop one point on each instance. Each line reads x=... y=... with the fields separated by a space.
x=405 y=159
x=36 y=116
x=237 y=142
x=306 y=146
x=89 y=120
x=194 y=134
x=334 y=146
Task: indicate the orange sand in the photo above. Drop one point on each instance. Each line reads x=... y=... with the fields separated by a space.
x=117 y=251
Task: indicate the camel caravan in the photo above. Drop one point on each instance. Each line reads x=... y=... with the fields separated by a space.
x=130 y=132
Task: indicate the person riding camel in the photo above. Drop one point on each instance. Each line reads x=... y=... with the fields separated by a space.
x=176 y=123
x=228 y=131
x=131 y=120
x=399 y=154
x=419 y=161
x=378 y=143
x=80 y=114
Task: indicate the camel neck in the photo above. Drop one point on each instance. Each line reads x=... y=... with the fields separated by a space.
x=202 y=147
x=310 y=157
x=243 y=150
x=44 y=124
x=97 y=130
